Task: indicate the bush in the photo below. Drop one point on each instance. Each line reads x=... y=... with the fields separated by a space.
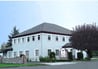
x=52 y=57
x=70 y=57
x=79 y=56
x=44 y=59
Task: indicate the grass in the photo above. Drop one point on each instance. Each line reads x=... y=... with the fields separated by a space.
x=17 y=65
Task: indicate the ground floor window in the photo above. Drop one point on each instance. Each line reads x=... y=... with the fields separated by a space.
x=37 y=52
x=15 y=54
x=20 y=52
x=57 y=52
x=27 y=53
x=9 y=54
x=49 y=51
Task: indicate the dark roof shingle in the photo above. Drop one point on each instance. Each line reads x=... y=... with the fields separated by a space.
x=46 y=27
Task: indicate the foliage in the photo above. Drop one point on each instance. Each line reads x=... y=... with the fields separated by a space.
x=70 y=57
x=44 y=59
x=13 y=33
x=79 y=56
x=85 y=37
x=95 y=53
x=52 y=56
x=8 y=46
x=89 y=54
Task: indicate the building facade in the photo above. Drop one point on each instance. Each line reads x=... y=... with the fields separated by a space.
x=39 y=41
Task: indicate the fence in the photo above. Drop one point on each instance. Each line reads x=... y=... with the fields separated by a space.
x=13 y=60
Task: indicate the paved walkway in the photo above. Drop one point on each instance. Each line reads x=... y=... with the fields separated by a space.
x=59 y=63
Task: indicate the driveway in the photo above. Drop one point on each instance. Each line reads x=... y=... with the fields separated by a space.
x=79 y=65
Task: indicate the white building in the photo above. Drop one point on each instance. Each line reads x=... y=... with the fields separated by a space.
x=39 y=41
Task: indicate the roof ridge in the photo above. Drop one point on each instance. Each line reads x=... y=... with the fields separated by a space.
x=46 y=27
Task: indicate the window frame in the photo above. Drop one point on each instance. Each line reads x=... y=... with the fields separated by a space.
x=28 y=39
x=33 y=38
x=57 y=52
x=57 y=38
x=63 y=39
x=49 y=37
x=38 y=37
x=49 y=51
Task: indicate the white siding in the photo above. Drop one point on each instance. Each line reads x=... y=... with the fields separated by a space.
x=52 y=44
x=42 y=45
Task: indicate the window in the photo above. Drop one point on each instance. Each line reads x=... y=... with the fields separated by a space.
x=71 y=50
x=63 y=39
x=49 y=51
x=14 y=41
x=18 y=40
x=56 y=38
x=15 y=54
x=20 y=52
x=38 y=37
x=37 y=52
x=49 y=38
x=27 y=54
x=22 y=39
x=28 y=39
x=9 y=54
x=57 y=52
x=33 y=38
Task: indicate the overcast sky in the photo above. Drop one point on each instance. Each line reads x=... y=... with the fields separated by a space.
x=25 y=15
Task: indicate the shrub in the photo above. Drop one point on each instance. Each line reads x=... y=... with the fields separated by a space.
x=52 y=56
x=44 y=59
x=70 y=57
x=79 y=56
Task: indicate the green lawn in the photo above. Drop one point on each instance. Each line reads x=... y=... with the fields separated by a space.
x=17 y=65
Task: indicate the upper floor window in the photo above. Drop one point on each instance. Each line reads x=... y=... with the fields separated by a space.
x=38 y=37
x=33 y=38
x=49 y=37
x=18 y=40
x=22 y=39
x=56 y=38
x=14 y=41
x=28 y=39
x=63 y=39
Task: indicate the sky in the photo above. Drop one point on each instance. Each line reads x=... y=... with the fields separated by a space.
x=27 y=14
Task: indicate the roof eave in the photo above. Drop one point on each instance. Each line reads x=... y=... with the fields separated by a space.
x=41 y=32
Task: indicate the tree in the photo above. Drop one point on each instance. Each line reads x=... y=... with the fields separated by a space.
x=13 y=33
x=85 y=37
x=8 y=46
x=3 y=49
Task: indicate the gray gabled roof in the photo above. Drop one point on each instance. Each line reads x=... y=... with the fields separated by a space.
x=67 y=45
x=46 y=28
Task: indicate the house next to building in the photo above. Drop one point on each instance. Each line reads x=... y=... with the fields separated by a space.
x=39 y=41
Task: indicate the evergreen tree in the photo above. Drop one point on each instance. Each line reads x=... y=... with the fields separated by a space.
x=14 y=32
